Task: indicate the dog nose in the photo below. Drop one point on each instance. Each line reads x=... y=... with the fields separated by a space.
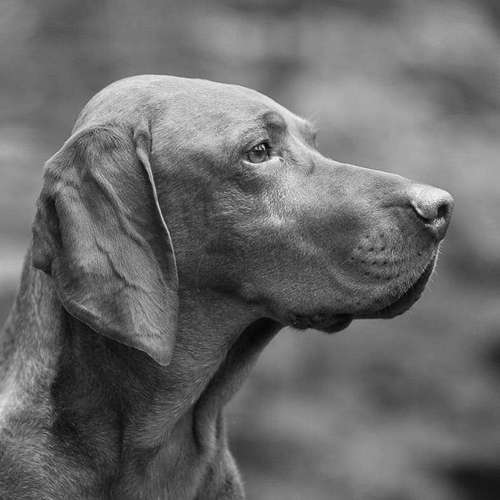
x=433 y=207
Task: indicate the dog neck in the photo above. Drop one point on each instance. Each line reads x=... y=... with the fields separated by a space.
x=114 y=403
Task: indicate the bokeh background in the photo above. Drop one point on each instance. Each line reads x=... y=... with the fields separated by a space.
x=386 y=410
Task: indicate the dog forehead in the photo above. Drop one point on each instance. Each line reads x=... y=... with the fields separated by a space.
x=167 y=99
x=218 y=106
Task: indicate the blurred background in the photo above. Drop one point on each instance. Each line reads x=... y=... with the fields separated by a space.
x=399 y=410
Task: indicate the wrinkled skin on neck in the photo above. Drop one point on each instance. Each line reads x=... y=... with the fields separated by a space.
x=117 y=423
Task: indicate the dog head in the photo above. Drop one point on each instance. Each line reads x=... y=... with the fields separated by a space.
x=253 y=210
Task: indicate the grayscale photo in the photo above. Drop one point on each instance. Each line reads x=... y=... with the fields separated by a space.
x=250 y=250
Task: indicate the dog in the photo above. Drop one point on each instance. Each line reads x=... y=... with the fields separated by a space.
x=182 y=224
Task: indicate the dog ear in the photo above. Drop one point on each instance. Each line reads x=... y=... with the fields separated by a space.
x=99 y=232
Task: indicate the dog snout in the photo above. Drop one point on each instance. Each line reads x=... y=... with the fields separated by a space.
x=433 y=207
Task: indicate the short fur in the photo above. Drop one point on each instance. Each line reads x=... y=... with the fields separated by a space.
x=163 y=261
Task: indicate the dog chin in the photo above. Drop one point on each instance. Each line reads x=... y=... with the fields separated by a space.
x=341 y=322
x=335 y=322
x=404 y=301
x=328 y=323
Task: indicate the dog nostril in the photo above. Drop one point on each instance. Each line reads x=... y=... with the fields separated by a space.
x=433 y=207
x=442 y=211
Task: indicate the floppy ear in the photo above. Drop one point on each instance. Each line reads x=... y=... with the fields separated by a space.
x=99 y=232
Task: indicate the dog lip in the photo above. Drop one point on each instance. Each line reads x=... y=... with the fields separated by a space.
x=405 y=301
x=342 y=321
x=323 y=322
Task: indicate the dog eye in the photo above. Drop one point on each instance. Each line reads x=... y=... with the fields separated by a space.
x=259 y=153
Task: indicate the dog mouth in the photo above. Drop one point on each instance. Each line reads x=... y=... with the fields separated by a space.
x=334 y=323
x=404 y=301
x=330 y=324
